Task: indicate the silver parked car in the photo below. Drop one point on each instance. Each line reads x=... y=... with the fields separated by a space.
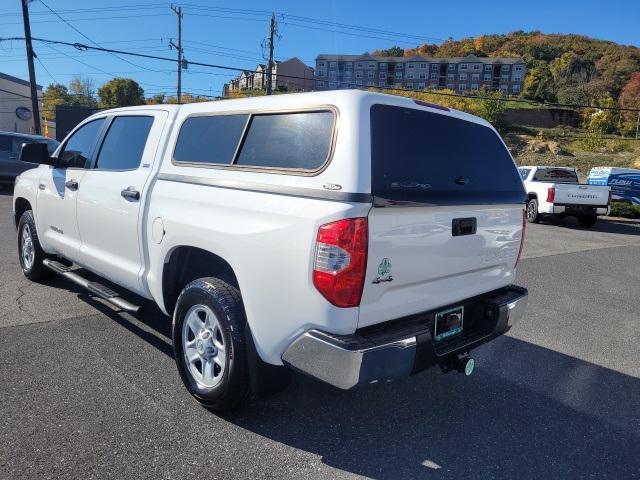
x=10 y=146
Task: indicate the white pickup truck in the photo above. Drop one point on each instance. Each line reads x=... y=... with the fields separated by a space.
x=557 y=191
x=352 y=236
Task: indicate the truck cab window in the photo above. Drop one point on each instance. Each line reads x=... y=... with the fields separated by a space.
x=124 y=143
x=78 y=148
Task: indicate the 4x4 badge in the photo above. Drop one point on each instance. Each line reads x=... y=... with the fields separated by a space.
x=384 y=272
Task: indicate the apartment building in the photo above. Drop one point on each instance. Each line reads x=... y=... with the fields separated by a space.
x=290 y=75
x=461 y=74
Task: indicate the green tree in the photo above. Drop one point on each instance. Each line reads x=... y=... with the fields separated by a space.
x=491 y=106
x=55 y=94
x=120 y=92
x=538 y=84
x=390 y=52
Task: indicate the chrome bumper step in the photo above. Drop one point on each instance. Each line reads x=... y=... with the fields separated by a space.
x=94 y=287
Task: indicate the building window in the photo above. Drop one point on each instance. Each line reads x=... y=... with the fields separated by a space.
x=518 y=68
x=319 y=83
x=475 y=76
x=505 y=77
x=332 y=74
x=463 y=66
x=516 y=89
x=434 y=85
x=333 y=64
x=474 y=87
x=332 y=84
x=372 y=64
x=348 y=65
x=409 y=74
x=371 y=75
x=434 y=76
x=476 y=66
x=462 y=87
x=423 y=76
x=487 y=77
x=381 y=84
x=451 y=76
x=347 y=74
x=506 y=68
x=398 y=74
x=360 y=65
x=452 y=67
x=382 y=75
x=487 y=68
x=463 y=76
x=434 y=66
x=321 y=73
x=408 y=85
x=517 y=79
x=504 y=88
x=359 y=83
x=411 y=65
x=450 y=86
x=321 y=64
x=381 y=65
x=399 y=66
x=369 y=83
x=421 y=86
x=358 y=73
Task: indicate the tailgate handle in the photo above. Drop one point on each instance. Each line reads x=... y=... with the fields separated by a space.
x=463 y=226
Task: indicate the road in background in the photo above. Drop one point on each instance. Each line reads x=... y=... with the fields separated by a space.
x=87 y=392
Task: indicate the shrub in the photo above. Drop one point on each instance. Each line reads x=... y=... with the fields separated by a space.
x=624 y=209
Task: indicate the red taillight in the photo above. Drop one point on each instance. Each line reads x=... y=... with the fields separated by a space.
x=341 y=261
x=524 y=229
x=551 y=194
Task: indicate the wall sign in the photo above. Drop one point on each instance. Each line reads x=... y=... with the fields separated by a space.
x=23 y=113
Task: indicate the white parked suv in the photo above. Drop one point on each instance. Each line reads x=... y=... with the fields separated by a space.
x=557 y=191
x=352 y=236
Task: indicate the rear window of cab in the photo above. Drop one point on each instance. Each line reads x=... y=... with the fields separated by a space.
x=297 y=141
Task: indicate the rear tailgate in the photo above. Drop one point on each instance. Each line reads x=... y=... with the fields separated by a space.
x=447 y=218
x=567 y=194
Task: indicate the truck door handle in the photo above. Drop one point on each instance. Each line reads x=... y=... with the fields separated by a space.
x=71 y=184
x=463 y=226
x=130 y=193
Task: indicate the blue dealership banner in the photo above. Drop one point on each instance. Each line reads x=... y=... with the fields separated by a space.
x=624 y=182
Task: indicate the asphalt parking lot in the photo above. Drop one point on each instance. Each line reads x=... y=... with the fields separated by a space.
x=88 y=392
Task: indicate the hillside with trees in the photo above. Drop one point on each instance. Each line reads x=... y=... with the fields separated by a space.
x=571 y=69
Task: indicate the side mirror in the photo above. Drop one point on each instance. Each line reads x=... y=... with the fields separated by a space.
x=36 y=153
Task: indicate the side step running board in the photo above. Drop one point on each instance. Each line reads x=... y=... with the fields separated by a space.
x=94 y=287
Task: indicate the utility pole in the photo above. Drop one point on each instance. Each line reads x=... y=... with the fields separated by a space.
x=178 y=11
x=272 y=32
x=32 y=73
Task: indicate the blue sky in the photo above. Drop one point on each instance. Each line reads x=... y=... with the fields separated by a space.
x=214 y=34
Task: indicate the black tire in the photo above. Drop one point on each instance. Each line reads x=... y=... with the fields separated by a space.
x=226 y=304
x=587 y=221
x=532 y=211
x=33 y=270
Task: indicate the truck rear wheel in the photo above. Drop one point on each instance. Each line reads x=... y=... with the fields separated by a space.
x=587 y=221
x=29 y=250
x=209 y=343
x=532 y=211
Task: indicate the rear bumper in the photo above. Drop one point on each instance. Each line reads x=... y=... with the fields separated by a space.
x=580 y=209
x=401 y=347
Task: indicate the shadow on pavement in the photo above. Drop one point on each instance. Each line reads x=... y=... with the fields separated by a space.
x=604 y=225
x=530 y=412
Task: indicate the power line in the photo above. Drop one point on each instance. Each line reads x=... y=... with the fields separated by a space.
x=83 y=47
x=85 y=36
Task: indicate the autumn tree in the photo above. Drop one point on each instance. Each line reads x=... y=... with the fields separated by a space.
x=54 y=95
x=120 y=92
x=83 y=92
x=630 y=98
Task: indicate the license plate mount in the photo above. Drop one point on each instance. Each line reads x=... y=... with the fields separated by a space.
x=448 y=323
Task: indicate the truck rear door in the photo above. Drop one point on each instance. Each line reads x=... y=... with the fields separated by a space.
x=448 y=212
